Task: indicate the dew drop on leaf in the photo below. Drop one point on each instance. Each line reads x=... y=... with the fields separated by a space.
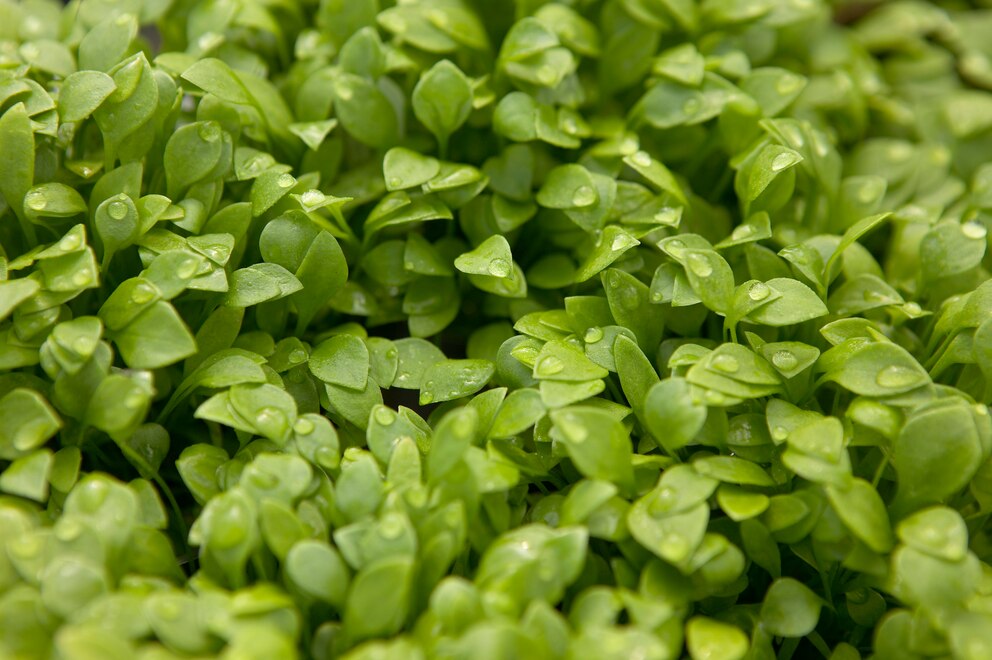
x=641 y=159
x=758 y=291
x=975 y=230
x=584 y=196
x=384 y=416
x=549 y=366
x=37 y=201
x=700 y=265
x=117 y=210
x=726 y=363
x=593 y=335
x=499 y=267
x=142 y=293
x=785 y=360
x=896 y=376
x=783 y=161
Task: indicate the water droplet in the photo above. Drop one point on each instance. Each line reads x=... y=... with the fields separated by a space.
x=263 y=480
x=286 y=181
x=641 y=159
x=326 y=457
x=896 y=376
x=499 y=267
x=870 y=191
x=742 y=232
x=669 y=216
x=700 y=265
x=117 y=210
x=593 y=335
x=780 y=433
x=726 y=363
x=912 y=309
x=629 y=146
x=547 y=75
x=297 y=356
x=30 y=51
x=395 y=182
x=426 y=396
x=569 y=126
x=782 y=161
x=549 y=366
x=622 y=242
x=788 y=84
x=715 y=398
x=209 y=131
x=691 y=106
x=187 y=269
x=758 y=291
x=384 y=416
x=674 y=546
x=168 y=610
x=584 y=196
x=84 y=345
x=391 y=526
x=344 y=91
x=82 y=278
x=36 y=201
x=92 y=495
x=675 y=248
x=417 y=498
x=982 y=409
x=794 y=135
x=313 y=198
x=785 y=360
x=134 y=400
x=268 y=417
x=820 y=145
x=438 y=17
x=899 y=151
x=975 y=230
x=142 y=293
x=303 y=426
x=68 y=530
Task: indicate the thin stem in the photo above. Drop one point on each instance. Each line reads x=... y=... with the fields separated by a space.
x=177 y=512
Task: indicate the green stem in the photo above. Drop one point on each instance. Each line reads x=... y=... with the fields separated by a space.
x=177 y=512
x=816 y=640
x=29 y=232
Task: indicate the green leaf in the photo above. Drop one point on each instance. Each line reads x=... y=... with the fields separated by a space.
x=708 y=638
x=453 y=379
x=155 y=338
x=568 y=187
x=365 y=111
x=317 y=570
x=27 y=476
x=17 y=166
x=671 y=414
x=795 y=303
x=379 y=598
x=403 y=168
x=260 y=283
x=880 y=369
x=82 y=93
x=561 y=361
x=341 y=360
x=862 y=510
x=597 y=443
x=442 y=100
x=790 y=609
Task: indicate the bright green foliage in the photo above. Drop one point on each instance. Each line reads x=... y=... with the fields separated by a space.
x=495 y=329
